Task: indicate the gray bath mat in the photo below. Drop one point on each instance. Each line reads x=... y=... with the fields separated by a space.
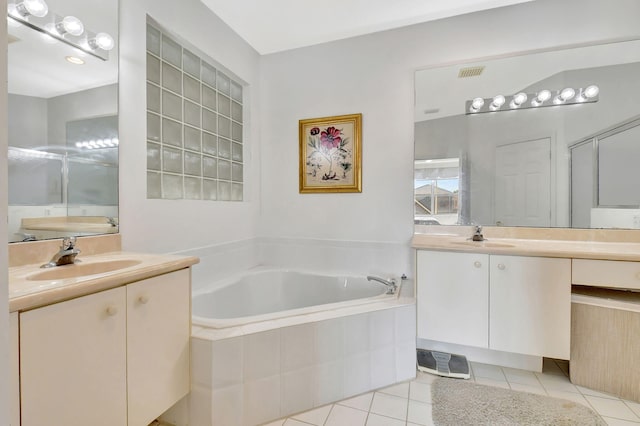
x=460 y=403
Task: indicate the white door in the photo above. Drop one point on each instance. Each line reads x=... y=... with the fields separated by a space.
x=453 y=297
x=523 y=184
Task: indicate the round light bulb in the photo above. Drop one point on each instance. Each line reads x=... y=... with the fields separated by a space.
x=567 y=94
x=71 y=25
x=497 y=102
x=477 y=103
x=104 y=41
x=36 y=8
x=520 y=98
x=591 y=91
x=543 y=96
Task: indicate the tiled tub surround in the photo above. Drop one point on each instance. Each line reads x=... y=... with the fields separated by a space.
x=259 y=372
x=194 y=124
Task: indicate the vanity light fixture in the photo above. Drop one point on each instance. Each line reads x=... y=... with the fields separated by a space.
x=70 y=25
x=98 y=143
x=68 y=29
x=26 y=8
x=544 y=98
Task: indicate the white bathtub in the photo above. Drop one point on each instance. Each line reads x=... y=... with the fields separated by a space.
x=269 y=294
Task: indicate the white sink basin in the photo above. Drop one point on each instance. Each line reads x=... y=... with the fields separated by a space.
x=82 y=269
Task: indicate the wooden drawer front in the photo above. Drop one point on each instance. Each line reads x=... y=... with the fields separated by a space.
x=606 y=273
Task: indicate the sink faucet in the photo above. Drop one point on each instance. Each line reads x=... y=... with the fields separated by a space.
x=390 y=283
x=477 y=235
x=66 y=255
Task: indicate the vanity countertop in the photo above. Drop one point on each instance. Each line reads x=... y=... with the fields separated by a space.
x=629 y=251
x=28 y=293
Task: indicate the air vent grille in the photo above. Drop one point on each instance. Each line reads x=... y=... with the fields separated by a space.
x=470 y=71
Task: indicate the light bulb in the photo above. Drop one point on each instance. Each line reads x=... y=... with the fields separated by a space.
x=497 y=102
x=71 y=25
x=476 y=104
x=102 y=40
x=591 y=91
x=518 y=99
x=567 y=94
x=36 y=8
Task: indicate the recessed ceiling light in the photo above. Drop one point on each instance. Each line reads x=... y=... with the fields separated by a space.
x=74 y=60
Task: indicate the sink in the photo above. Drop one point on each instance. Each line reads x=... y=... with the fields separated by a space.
x=82 y=269
x=488 y=244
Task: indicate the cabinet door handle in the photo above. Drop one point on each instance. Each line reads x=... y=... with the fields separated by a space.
x=477 y=264
x=501 y=266
x=143 y=299
x=112 y=310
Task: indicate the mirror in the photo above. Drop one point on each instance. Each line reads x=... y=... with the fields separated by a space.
x=568 y=163
x=63 y=118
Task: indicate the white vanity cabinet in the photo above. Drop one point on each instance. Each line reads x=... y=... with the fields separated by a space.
x=14 y=370
x=117 y=357
x=508 y=303
x=453 y=297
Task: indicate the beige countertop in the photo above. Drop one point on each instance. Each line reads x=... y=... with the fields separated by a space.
x=629 y=251
x=26 y=293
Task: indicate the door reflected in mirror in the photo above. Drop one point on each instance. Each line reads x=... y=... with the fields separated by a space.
x=547 y=139
x=63 y=121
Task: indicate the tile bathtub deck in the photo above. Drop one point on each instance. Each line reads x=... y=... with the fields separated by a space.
x=409 y=403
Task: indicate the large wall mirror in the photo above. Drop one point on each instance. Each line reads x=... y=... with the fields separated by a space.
x=547 y=139
x=63 y=118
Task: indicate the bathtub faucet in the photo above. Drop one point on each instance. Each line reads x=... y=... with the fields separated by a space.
x=390 y=283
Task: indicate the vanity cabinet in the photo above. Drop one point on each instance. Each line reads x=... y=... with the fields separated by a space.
x=117 y=357
x=14 y=371
x=508 y=303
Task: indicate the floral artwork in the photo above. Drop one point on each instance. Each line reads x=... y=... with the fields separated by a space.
x=330 y=154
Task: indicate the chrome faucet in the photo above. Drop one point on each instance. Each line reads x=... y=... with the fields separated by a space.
x=390 y=283
x=477 y=235
x=66 y=255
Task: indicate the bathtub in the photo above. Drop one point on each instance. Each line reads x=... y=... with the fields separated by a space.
x=270 y=294
x=268 y=343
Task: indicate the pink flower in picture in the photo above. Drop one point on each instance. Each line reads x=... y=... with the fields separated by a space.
x=330 y=138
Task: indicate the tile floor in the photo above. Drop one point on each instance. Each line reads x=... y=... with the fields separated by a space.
x=409 y=403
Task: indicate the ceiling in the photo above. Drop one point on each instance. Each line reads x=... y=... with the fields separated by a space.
x=276 y=25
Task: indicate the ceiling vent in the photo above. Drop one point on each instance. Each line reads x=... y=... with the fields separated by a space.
x=11 y=39
x=470 y=71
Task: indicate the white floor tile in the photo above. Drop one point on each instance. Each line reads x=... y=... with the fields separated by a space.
x=362 y=402
x=420 y=413
x=571 y=396
x=592 y=392
x=490 y=382
x=558 y=383
x=425 y=377
x=317 y=416
x=521 y=376
x=293 y=422
x=346 y=416
x=390 y=406
x=617 y=422
x=487 y=371
x=635 y=407
x=420 y=392
x=401 y=390
x=378 y=420
x=539 y=390
x=612 y=408
x=276 y=423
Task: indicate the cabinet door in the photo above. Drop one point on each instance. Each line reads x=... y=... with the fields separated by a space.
x=530 y=305
x=14 y=362
x=453 y=297
x=72 y=362
x=158 y=336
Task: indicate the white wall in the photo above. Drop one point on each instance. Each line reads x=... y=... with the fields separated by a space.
x=164 y=225
x=4 y=275
x=373 y=75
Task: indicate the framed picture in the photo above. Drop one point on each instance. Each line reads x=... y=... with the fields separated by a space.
x=331 y=154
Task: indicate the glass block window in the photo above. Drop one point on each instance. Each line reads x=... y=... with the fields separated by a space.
x=194 y=124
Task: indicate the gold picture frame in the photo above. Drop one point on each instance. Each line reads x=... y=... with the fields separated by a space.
x=331 y=154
